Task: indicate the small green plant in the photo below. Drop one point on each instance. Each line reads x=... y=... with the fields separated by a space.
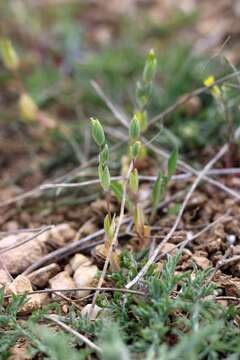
x=137 y=126
x=178 y=317
x=188 y=318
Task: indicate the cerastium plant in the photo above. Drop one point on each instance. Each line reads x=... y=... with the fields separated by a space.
x=130 y=183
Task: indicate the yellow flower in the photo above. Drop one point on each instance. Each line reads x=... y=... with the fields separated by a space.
x=209 y=81
x=215 y=90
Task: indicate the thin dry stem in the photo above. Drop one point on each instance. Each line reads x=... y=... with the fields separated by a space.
x=192 y=94
x=67 y=290
x=151 y=260
x=24 y=241
x=119 y=115
x=73 y=332
x=178 y=177
x=184 y=243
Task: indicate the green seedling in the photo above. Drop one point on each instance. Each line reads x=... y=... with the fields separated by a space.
x=138 y=124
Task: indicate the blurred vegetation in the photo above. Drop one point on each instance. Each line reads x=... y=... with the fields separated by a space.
x=62 y=48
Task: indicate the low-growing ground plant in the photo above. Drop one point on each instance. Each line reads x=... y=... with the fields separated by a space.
x=137 y=126
x=177 y=316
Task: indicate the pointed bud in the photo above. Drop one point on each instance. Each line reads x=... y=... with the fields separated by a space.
x=28 y=108
x=134 y=181
x=104 y=177
x=104 y=155
x=97 y=132
x=106 y=224
x=109 y=227
x=9 y=55
x=135 y=150
x=143 y=119
x=150 y=67
x=134 y=129
x=139 y=219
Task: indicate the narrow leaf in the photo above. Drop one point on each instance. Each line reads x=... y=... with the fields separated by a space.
x=172 y=163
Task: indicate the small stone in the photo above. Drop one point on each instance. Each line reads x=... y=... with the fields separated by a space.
x=41 y=276
x=84 y=277
x=231 y=238
x=62 y=281
x=12 y=226
x=79 y=260
x=99 y=253
x=201 y=262
x=18 y=259
x=61 y=234
x=87 y=228
x=5 y=278
x=20 y=285
x=65 y=309
x=68 y=269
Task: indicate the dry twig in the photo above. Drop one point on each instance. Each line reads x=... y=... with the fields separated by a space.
x=24 y=241
x=151 y=260
x=73 y=332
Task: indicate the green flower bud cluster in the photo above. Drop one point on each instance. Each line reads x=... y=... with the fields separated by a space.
x=134 y=134
x=144 y=87
x=99 y=138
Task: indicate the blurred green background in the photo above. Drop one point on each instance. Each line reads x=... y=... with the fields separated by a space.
x=63 y=45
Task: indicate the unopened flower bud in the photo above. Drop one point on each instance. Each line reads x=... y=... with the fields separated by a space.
x=97 y=132
x=143 y=119
x=109 y=227
x=104 y=177
x=9 y=55
x=134 y=181
x=134 y=129
x=150 y=67
x=28 y=108
x=135 y=150
x=104 y=155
